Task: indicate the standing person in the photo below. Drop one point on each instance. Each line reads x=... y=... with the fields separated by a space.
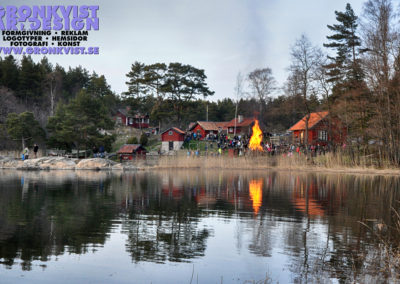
x=35 y=149
x=102 y=150
x=95 y=151
x=26 y=153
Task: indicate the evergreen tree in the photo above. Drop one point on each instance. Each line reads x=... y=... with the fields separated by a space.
x=75 y=80
x=98 y=86
x=24 y=127
x=79 y=123
x=350 y=94
x=9 y=73
x=136 y=84
x=184 y=83
x=29 y=81
x=344 y=69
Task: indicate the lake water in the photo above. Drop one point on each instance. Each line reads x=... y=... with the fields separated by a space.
x=195 y=227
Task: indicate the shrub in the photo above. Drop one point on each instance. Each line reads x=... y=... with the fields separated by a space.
x=143 y=139
x=132 y=140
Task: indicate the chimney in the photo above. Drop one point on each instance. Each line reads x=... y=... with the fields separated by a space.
x=240 y=118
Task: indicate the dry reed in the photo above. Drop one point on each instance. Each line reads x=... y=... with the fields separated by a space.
x=330 y=161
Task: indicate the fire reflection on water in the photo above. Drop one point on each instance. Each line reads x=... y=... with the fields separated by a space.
x=255 y=190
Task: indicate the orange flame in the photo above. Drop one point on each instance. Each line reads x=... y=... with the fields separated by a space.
x=255 y=189
x=256 y=138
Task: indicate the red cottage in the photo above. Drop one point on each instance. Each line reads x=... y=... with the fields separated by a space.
x=136 y=121
x=128 y=151
x=243 y=125
x=207 y=127
x=318 y=130
x=172 y=139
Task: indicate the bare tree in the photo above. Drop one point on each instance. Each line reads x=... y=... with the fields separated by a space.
x=306 y=60
x=238 y=94
x=263 y=84
x=380 y=38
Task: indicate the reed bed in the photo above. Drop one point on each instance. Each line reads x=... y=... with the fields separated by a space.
x=330 y=161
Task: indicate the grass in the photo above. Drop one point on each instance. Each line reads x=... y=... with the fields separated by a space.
x=153 y=145
x=388 y=247
x=201 y=145
x=330 y=162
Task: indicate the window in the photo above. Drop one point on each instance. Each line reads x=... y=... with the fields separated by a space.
x=323 y=135
x=130 y=120
x=170 y=132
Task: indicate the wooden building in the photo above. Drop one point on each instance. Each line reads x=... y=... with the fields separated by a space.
x=319 y=130
x=130 y=151
x=172 y=139
x=123 y=117
x=203 y=128
x=243 y=125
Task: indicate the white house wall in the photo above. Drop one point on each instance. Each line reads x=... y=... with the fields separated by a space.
x=165 y=146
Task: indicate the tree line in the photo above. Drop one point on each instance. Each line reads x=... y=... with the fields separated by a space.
x=355 y=76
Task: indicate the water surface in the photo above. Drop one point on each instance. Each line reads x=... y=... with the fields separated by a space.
x=193 y=227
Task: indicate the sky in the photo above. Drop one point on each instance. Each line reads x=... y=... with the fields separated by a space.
x=223 y=37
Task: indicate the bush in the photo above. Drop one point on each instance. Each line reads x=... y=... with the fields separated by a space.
x=132 y=140
x=143 y=139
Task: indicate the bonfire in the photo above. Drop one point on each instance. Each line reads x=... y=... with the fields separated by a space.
x=256 y=138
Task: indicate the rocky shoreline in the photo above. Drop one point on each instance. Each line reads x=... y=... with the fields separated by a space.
x=63 y=163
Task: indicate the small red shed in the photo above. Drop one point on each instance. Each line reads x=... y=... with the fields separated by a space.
x=172 y=139
x=318 y=130
x=129 y=151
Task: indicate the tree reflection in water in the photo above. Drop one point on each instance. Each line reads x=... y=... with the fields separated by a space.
x=312 y=219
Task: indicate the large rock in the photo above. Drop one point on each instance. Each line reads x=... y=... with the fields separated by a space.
x=125 y=167
x=10 y=163
x=63 y=163
x=48 y=163
x=95 y=164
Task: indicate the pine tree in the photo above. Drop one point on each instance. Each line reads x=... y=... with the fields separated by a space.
x=344 y=69
x=9 y=73
x=350 y=94
x=24 y=127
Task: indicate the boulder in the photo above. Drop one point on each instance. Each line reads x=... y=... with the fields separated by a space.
x=48 y=163
x=95 y=164
x=10 y=163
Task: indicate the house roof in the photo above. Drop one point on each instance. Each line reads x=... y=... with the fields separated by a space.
x=176 y=129
x=129 y=148
x=315 y=117
x=125 y=112
x=210 y=125
x=191 y=125
x=245 y=122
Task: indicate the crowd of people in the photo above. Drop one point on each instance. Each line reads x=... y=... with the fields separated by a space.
x=221 y=142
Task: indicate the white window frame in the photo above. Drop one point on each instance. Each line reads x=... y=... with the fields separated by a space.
x=323 y=135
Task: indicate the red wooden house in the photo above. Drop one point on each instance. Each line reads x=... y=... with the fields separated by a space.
x=136 y=121
x=172 y=139
x=203 y=128
x=243 y=125
x=129 y=151
x=318 y=130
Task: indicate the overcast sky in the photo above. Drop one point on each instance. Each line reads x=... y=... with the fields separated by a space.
x=222 y=37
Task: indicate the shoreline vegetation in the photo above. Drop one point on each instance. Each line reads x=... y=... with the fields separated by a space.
x=330 y=162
